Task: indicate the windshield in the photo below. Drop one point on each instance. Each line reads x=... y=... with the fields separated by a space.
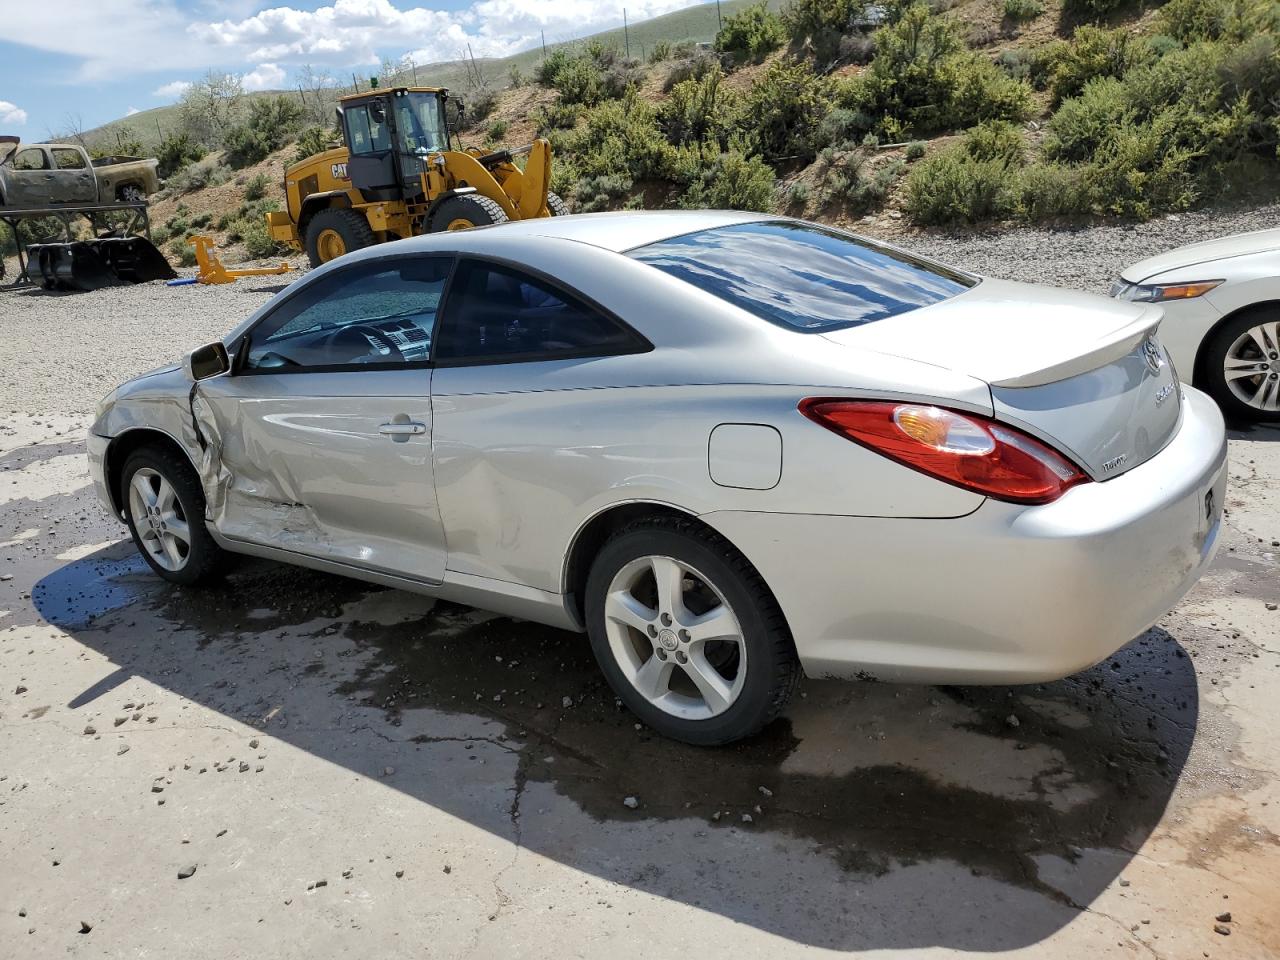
x=803 y=276
x=420 y=123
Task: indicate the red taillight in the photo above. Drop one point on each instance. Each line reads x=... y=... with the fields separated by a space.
x=969 y=451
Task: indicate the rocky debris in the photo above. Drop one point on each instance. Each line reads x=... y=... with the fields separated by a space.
x=244 y=767
x=765 y=791
x=157 y=788
x=399 y=874
x=348 y=874
x=1124 y=883
x=1224 y=917
x=448 y=869
x=1222 y=928
x=1013 y=721
x=388 y=771
x=89 y=731
x=565 y=702
x=22 y=689
x=747 y=818
x=317 y=885
x=1272 y=606
x=122 y=750
x=221 y=832
x=186 y=872
x=85 y=926
x=630 y=802
x=22 y=911
x=253 y=744
x=119 y=720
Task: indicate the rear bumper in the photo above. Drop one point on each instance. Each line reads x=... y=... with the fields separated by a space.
x=1007 y=594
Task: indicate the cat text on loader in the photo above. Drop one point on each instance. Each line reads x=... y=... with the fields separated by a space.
x=398 y=177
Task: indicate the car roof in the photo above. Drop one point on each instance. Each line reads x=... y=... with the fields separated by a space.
x=610 y=231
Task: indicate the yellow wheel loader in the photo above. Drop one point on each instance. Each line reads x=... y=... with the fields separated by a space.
x=398 y=177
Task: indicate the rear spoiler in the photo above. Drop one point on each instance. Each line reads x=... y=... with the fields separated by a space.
x=1113 y=346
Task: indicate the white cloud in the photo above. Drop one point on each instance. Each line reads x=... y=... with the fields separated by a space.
x=266 y=76
x=11 y=114
x=131 y=111
x=171 y=90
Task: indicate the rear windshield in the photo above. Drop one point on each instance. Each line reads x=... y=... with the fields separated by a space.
x=803 y=276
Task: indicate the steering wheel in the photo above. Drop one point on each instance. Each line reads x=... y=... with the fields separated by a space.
x=350 y=337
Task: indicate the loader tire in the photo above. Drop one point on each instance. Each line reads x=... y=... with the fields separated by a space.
x=335 y=231
x=465 y=210
x=557 y=206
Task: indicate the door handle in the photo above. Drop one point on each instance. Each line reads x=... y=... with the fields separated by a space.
x=401 y=432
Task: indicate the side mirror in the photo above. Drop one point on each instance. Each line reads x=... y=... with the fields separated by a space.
x=211 y=360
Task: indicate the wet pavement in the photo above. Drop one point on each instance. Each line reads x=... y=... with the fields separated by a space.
x=457 y=779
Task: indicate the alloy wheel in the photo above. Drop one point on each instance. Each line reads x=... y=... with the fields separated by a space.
x=675 y=638
x=159 y=519
x=1251 y=368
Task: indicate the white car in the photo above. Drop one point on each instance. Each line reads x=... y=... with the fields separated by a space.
x=1221 y=304
x=727 y=446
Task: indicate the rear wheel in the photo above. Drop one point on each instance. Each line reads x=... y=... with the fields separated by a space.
x=687 y=633
x=164 y=507
x=336 y=231
x=557 y=206
x=463 y=211
x=1242 y=366
x=131 y=193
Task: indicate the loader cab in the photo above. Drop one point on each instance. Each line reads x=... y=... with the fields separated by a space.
x=390 y=134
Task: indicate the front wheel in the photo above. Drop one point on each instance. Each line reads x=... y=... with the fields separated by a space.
x=164 y=507
x=688 y=634
x=1242 y=366
x=335 y=231
x=556 y=205
x=462 y=211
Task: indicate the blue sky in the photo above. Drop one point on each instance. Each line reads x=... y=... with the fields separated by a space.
x=96 y=60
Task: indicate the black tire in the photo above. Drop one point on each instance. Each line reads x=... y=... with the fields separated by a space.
x=772 y=668
x=351 y=226
x=476 y=210
x=205 y=561
x=1212 y=377
x=557 y=206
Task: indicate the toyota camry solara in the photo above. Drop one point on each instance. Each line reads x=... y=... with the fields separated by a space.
x=728 y=447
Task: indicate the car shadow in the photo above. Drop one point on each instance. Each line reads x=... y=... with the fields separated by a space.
x=1240 y=430
x=871 y=816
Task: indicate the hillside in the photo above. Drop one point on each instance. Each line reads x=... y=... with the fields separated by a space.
x=697 y=24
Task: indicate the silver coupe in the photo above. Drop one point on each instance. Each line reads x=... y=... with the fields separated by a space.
x=729 y=447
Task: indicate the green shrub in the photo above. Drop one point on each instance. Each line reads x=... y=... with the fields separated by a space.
x=1230 y=20
x=819 y=25
x=849 y=180
x=695 y=66
x=514 y=77
x=578 y=81
x=313 y=140
x=841 y=127
x=497 y=130
x=622 y=138
x=555 y=116
x=751 y=34
x=177 y=151
x=782 y=110
x=480 y=103
x=1093 y=52
x=183 y=252
x=661 y=51
x=257 y=186
x=552 y=64
x=954 y=187
x=797 y=195
x=1096 y=8
x=697 y=110
x=1016 y=62
x=272 y=121
x=605 y=192
x=196 y=176
x=1049 y=190
x=201 y=220
x=1019 y=11
x=923 y=80
x=996 y=140
x=726 y=181
x=915 y=149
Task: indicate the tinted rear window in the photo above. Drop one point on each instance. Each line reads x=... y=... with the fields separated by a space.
x=802 y=276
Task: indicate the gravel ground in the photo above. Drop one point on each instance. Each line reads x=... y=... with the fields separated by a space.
x=40 y=327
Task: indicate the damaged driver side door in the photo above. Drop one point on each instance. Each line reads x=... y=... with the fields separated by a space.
x=323 y=429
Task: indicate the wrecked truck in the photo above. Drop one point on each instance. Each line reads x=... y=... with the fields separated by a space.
x=49 y=174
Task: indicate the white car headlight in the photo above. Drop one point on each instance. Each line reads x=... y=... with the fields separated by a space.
x=1161 y=292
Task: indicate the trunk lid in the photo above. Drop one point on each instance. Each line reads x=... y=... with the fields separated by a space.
x=1083 y=373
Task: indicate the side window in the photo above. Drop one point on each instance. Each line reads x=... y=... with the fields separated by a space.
x=374 y=315
x=29 y=160
x=367 y=134
x=495 y=312
x=68 y=159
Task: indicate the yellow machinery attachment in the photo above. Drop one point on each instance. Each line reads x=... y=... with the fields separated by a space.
x=212 y=270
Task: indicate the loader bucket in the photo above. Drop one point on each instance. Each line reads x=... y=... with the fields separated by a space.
x=93 y=264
